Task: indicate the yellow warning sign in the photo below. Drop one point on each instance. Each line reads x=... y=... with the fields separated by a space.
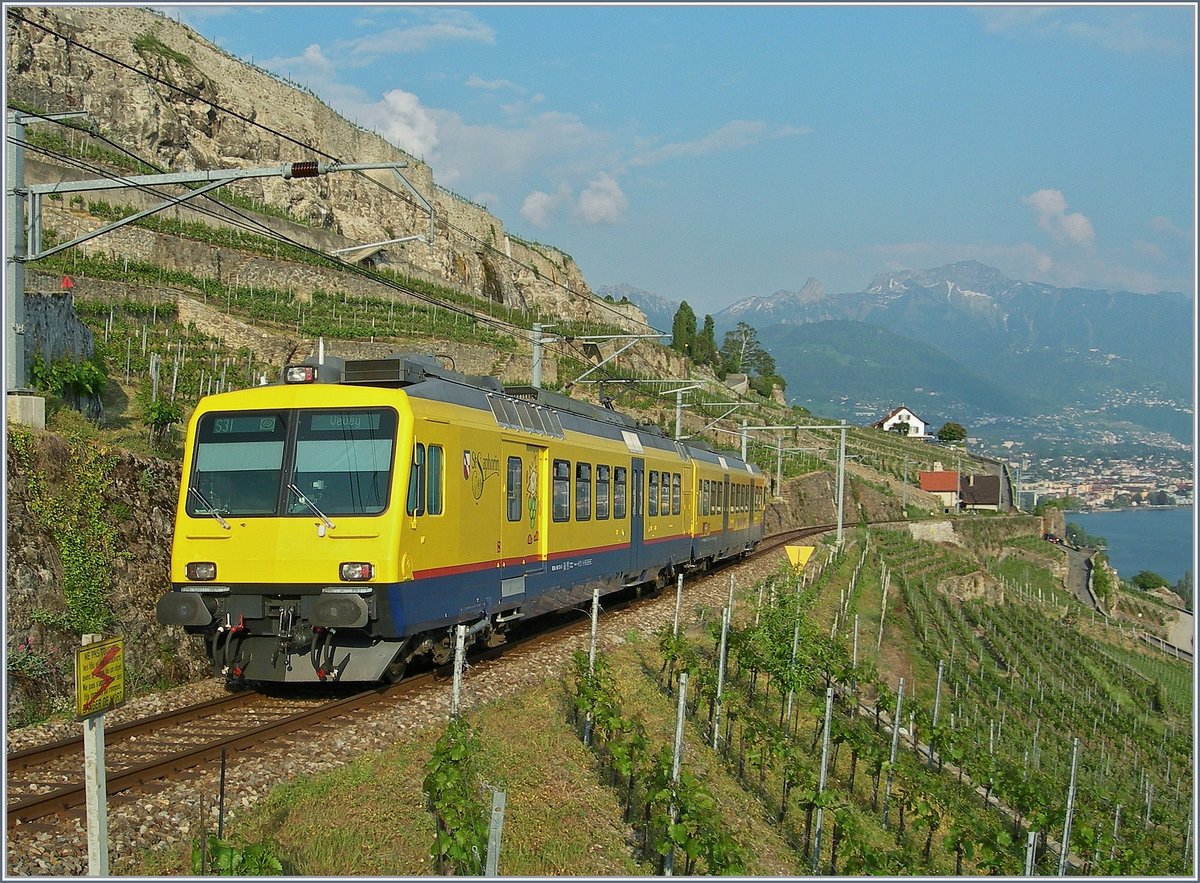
x=799 y=555
x=99 y=677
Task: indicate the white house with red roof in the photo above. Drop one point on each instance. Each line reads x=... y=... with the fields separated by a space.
x=901 y=415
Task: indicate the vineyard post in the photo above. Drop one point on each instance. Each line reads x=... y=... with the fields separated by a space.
x=1187 y=839
x=495 y=828
x=791 y=681
x=731 y=597
x=854 y=656
x=816 y=850
x=669 y=858
x=937 y=704
x=887 y=790
x=587 y=724
x=678 y=602
x=460 y=640
x=1030 y=852
x=1116 y=827
x=726 y=614
x=1149 y=802
x=1066 y=840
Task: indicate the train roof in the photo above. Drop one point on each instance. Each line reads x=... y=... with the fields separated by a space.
x=525 y=408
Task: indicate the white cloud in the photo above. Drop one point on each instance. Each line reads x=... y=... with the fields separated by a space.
x=433 y=27
x=602 y=202
x=474 y=82
x=1166 y=226
x=734 y=135
x=541 y=208
x=1050 y=207
x=402 y=120
x=1115 y=30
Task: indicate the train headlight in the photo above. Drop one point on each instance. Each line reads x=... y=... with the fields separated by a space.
x=356 y=571
x=201 y=571
x=299 y=374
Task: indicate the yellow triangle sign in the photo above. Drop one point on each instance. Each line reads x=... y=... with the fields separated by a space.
x=799 y=555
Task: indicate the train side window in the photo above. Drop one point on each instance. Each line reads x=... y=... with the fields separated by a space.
x=652 y=497
x=602 y=487
x=583 y=491
x=618 y=506
x=434 y=480
x=562 y=490
x=704 y=497
x=676 y=493
x=514 y=488
x=416 y=482
x=665 y=507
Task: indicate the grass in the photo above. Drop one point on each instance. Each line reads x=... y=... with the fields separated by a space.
x=562 y=819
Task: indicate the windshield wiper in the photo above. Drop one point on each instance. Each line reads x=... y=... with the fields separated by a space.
x=311 y=505
x=211 y=509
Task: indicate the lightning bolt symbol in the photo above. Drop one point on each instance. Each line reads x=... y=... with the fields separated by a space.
x=105 y=678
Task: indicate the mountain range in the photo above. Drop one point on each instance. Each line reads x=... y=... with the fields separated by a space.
x=964 y=342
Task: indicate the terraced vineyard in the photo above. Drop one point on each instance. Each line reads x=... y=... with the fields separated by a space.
x=995 y=692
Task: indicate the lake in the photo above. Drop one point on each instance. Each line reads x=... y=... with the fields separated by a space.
x=1159 y=540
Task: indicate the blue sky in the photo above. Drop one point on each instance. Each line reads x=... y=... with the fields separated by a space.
x=709 y=153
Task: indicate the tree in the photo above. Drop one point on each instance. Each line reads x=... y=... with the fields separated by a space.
x=704 y=346
x=1146 y=580
x=952 y=432
x=683 y=330
x=744 y=354
x=1183 y=589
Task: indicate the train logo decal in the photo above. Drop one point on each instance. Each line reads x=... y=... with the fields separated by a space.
x=478 y=468
x=531 y=501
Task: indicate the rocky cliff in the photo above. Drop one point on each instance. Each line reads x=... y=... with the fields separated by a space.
x=89 y=543
x=160 y=91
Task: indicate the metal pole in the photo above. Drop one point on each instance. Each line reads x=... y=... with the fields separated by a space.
x=937 y=704
x=716 y=726
x=778 y=467
x=744 y=421
x=1030 y=852
x=1066 y=841
x=791 y=689
x=460 y=643
x=537 y=355
x=495 y=828
x=96 y=794
x=587 y=725
x=854 y=656
x=14 y=267
x=841 y=479
x=678 y=602
x=887 y=791
x=816 y=850
x=669 y=859
x=679 y=414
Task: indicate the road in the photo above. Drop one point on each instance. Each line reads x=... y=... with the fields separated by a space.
x=1077 y=574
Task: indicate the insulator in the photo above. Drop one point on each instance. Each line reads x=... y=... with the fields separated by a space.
x=305 y=170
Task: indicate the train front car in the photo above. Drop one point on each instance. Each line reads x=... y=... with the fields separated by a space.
x=283 y=531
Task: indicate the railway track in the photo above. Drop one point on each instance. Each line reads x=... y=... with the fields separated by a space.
x=45 y=781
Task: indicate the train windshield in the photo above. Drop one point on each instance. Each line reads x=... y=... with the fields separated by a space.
x=343 y=461
x=339 y=460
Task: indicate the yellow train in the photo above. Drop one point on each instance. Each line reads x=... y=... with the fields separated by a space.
x=337 y=524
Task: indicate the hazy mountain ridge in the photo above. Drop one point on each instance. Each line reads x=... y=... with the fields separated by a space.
x=965 y=341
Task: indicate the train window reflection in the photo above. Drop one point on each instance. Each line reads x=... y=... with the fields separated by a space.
x=618 y=506
x=343 y=461
x=238 y=463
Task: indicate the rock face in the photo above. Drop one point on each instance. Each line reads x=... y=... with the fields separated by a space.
x=159 y=90
x=137 y=497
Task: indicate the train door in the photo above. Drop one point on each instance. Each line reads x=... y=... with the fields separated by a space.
x=637 y=524
x=523 y=519
x=725 y=504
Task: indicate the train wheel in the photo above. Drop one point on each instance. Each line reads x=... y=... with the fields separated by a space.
x=395 y=670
